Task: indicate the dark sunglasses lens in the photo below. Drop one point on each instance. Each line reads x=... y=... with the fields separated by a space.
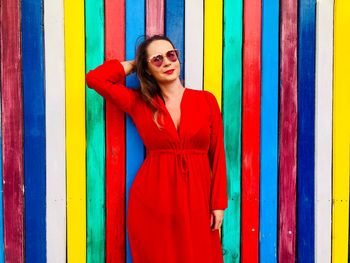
x=172 y=55
x=157 y=60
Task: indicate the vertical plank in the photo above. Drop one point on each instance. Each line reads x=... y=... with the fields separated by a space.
x=2 y=256
x=251 y=130
x=115 y=140
x=34 y=130
x=213 y=13
x=154 y=17
x=232 y=103
x=323 y=130
x=175 y=26
x=12 y=130
x=269 y=132
x=194 y=44
x=287 y=132
x=75 y=130
x=341 y=132
x=55 y=132
x=135 y=28
x=306 y=131
x=95 y=135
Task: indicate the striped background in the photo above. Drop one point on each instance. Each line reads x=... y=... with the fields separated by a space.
x=279 y=70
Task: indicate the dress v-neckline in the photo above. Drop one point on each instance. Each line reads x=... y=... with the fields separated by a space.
x=177 y=130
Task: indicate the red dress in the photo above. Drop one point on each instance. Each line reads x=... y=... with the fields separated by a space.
x=181 y=179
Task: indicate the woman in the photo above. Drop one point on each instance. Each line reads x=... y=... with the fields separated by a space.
x=178 y=197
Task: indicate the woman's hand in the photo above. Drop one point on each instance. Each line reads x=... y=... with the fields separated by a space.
x=216 y=218
x=129 y=66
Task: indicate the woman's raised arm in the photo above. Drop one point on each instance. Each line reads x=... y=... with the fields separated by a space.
x=108 y=80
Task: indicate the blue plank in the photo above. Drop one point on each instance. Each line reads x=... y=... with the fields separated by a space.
x=306 y=131
x=134 y=30
x=175 y=28
x=34 y=130
x=269 y=131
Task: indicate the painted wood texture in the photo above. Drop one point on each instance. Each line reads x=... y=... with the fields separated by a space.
x=55 y=132
x=232 y=102
x=251 y=130
x=341 y=132
x=115 y=140
x=194 y=34
x=154 y=17
x=134 y=30
x=306 y=131
x=213 y=41
x=12 y=131
x=75 y=130
x=287 y=132
x=174 y=24
x=2 y=256
x=269 y=132
x=95 y=136
x=323 y=131
x=34 y=130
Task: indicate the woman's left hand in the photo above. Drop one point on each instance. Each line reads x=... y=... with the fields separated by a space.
x=216 y=218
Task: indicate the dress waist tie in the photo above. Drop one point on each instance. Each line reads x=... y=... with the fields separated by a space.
x=181 y=158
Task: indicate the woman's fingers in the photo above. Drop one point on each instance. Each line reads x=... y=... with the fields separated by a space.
x=217 y=218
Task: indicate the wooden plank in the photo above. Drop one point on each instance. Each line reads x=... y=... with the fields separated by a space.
x=175 y=26
x=12 y=130
x=269 y=132
x=194 y=44
x=341 y=132
x=2 y=255
x=306 y=131
x=323 y=130
x=95 y=135
x=55 y=132
x=213 y=14
x=231 y=108
x=287 y=132
x=115 y=140
x=135 y=27
x=34 y=132
x=154 y=17
x=251 y=130
x=75 y=130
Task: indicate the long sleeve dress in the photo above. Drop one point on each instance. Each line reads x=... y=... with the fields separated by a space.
x=182 y=178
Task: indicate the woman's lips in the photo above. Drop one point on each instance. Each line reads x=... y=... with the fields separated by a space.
x=169 y=72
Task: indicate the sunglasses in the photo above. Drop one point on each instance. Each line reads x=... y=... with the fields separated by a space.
x=158 y=60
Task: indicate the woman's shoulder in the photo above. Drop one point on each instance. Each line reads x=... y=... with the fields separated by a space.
x=204 y=94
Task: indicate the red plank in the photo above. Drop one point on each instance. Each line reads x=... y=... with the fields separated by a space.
x=287 y=132
x=115 y=141
x=154 y=17
x=12 y=130
x=251 y=131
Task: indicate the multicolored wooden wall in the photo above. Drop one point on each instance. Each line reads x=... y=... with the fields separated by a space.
x=279 y=70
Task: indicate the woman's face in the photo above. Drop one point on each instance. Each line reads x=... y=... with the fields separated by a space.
x=169 y=71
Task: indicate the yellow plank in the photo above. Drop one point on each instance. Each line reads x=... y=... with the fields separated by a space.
x=213 y=47
x=341 y=131
x=75 y=129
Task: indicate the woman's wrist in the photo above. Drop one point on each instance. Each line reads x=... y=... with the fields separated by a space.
x=129 y=66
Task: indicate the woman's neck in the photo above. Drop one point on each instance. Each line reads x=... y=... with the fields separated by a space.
x=170 y=90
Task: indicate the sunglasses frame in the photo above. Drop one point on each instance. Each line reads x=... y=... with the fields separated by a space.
x=164 y=55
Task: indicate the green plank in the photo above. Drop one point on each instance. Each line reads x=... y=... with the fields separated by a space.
x=95 y=136
x=232 y=100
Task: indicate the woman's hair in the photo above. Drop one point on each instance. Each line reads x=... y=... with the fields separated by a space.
x=149 y=85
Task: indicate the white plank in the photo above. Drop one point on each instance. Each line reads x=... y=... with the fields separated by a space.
x=323 y=132
x=55 y=132
x=194 y=44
